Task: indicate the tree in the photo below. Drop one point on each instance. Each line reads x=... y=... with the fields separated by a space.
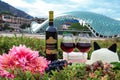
x=23 y=26
x=6 y=27
x=77 y=26
x=6 y=12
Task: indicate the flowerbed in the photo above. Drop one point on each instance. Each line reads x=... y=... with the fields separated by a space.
x=95 y=71
x=13 y=62
x=39 y=44
x=22 y=63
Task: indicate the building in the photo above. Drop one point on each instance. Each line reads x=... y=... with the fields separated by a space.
x=13 y=21
x=39 y=20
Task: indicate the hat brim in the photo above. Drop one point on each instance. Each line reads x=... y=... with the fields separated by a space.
x=89 y=61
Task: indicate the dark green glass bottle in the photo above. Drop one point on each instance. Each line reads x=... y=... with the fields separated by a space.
x=51 y=39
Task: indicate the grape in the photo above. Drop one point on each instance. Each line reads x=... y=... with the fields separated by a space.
x=105 y=69
x=70 y=63
x=57 y=65
x=97 y=65
x=88 y=67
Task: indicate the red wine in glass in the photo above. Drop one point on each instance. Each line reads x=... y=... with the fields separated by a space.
x=83 y=44
x=67 y=44
x=83 y=47
x=67 y=47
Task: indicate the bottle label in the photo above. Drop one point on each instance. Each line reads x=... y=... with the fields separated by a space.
x=51 y=46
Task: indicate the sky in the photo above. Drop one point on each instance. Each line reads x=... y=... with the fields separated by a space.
x=40 y=8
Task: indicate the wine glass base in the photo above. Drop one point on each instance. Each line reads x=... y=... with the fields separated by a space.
x=77 y=60
x=75 y=57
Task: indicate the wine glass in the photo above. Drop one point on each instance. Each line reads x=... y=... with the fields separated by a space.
x=83 y=44
x=67 y=44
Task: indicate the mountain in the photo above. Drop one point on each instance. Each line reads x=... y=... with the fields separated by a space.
x=16 y=12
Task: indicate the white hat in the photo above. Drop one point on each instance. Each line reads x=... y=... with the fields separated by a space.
x=104 y=54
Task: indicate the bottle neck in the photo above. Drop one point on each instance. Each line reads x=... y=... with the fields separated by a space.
x=51 y=18
x=51 y=23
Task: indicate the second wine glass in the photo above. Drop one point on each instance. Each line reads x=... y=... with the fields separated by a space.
x=83 y=44
x=67 y=44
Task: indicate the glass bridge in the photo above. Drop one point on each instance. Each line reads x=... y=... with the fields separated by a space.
x=99 y=25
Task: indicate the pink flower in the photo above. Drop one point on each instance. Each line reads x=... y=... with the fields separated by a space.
x=38 y=65
x=7 y=60
x=23 y=58
x=4 y=73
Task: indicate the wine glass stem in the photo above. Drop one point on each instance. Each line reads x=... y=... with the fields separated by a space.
x=83 y=56
x=67 y=56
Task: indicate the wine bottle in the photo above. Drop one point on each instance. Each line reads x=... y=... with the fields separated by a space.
x=51 y=39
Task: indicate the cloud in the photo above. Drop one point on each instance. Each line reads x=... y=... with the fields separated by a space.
x=100 y=10
x=80 y=1
x=110 y=9
x=40 y=8
x=17 y=3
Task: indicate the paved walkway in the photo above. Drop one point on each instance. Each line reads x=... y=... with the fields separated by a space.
x=24 y=34
x=41 y=36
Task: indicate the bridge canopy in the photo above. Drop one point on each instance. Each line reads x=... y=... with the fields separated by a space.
x=103 y=25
